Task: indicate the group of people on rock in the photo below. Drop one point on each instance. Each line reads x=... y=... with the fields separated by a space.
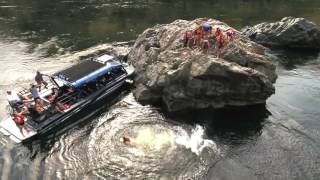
x=24 y=106
x=201 y=36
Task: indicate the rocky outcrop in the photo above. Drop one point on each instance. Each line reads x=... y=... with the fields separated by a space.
x=184 y=78
x=289 y=33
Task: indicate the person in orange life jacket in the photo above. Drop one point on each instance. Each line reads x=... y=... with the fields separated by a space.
x=187 y=38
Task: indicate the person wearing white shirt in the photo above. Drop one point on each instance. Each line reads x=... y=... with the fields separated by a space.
x=13 y=98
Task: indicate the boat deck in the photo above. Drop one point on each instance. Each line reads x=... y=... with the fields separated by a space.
x=9 y=128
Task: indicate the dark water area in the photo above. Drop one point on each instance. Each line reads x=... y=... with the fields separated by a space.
x=277 y=140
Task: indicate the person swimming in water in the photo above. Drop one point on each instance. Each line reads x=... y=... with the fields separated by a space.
x=126 y=140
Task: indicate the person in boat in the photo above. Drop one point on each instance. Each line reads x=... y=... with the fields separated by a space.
x=19 y=119
x=231 y=33
x=39 y=80
x=39 y=106
x=14 y=99
x=34 y=91
x=54 y=95
x=61 y=107
x=187 y=39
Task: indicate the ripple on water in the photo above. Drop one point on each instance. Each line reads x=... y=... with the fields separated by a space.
x=158 y=149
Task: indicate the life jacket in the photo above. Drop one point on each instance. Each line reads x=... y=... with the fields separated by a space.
x=221 y=39
x=63 y=107
x=51 y=98
x=217 y=33
x=18 y=119
x=66 y=106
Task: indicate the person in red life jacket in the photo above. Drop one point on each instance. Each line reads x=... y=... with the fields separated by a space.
x=187 y=38
x=231 y=33
x=19 y=119
x=61 y=107
x=198 y=36
x=220 y=44
x=217 y=33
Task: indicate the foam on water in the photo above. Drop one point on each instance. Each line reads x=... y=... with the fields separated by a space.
x=195 y=142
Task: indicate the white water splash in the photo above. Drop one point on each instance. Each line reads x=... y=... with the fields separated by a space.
x=195 y=142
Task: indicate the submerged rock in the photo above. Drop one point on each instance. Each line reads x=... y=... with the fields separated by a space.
x=289 y=33
x=184 y=78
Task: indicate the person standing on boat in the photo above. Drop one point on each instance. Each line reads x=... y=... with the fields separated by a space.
x=39 y=79
x=34 y=92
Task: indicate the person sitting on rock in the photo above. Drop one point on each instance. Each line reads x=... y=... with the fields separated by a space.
x=187 y=38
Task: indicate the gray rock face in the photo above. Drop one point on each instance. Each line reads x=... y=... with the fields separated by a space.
x=184 y=78
x=289 y=32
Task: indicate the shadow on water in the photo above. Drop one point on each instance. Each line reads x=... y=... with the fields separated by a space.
x=44 y=142
x=291 y=58
x=231 y=125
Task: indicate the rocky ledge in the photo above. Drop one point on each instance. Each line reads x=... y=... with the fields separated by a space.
x=184 y=78
x=288 y=33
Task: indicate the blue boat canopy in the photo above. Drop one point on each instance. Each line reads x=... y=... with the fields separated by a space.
x=85 y=72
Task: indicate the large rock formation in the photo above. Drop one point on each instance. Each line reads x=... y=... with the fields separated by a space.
x=289 y=33
x=184 y=78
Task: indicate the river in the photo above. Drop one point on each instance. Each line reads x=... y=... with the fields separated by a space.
x=279 y=140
